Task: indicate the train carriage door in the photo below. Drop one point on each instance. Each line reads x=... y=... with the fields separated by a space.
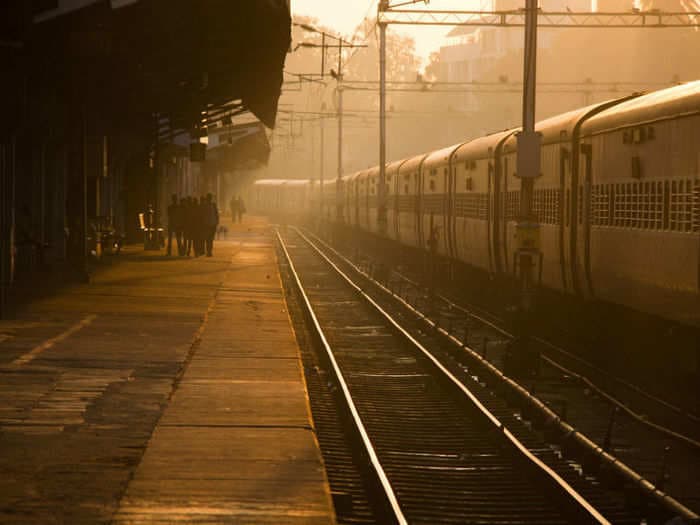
x=565 y=217
x=502 y=166
x=418 y=215
x=453 y=222
x=584 y=244
x=493 y=266
x=445 y=209
x=397 y=202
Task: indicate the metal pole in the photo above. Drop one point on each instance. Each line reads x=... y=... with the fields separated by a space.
x=340 y=128
x=84 y=263
x=528 y=165
x=323 y=158
x=381 y=208
x=340 y=140
x=323 y=54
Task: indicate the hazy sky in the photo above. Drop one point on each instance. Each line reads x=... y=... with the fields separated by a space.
x=345 y=15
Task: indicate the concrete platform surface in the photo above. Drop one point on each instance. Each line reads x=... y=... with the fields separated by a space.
x=168 y=390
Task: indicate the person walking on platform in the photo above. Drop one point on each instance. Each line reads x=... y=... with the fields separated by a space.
x=237 y=209
x=241 y=209
x=189 y=226
x=233 y=206
x=174 y=220
x=211 y=222
x=201 y=213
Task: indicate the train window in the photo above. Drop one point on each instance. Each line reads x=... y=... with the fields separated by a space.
x=432 y=185
x=468 y=184
x=599 y=212
x=545 y=206
x=471 y=205
x=641 y=205
x=681 y=205
x=405 y=188
x=444 y=171
x=512 y=205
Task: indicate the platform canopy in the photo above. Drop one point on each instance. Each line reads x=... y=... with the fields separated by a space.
x=184 y=60
x=243 y=146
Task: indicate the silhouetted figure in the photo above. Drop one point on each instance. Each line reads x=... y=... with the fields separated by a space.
x=26 y=234
x=189 y=226
x=241 y=209
x=200 y=226
x=174 y=225
x=211 y=221
x=233 y=206
x=180 y=232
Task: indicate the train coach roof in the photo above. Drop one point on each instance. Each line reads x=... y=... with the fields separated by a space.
x=268 y=182
x=373 y=171
x=281 y=182
x=442 y=155
x=356 y=175
x=413 y=163
x=663 y=104
x=482 y=147
x=393 y=167
x=561 y=127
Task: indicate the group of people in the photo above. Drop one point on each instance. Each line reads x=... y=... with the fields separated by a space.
x=193 y=223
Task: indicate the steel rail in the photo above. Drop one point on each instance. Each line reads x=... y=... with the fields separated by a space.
x=626 y=384
x=639 y=418
x=646 y=486
x=383 y=479
x=577 y=498
x=634 y=415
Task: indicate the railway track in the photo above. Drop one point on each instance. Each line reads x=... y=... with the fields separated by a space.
x=658 y=440
x=442 y=446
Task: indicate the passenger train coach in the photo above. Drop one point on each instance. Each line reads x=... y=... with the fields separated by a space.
x=618 y=202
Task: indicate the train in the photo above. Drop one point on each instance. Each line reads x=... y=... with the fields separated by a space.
x=617 y=202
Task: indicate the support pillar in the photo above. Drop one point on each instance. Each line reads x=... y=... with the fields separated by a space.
x=381 y=193
x=7 y=222
x=527 y=230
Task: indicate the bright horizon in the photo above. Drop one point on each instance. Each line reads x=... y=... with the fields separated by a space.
x=345 y=16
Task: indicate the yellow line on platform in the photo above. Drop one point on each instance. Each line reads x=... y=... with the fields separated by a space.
x=34 y=352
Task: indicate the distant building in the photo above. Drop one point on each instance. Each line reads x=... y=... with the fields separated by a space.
x=585 y=62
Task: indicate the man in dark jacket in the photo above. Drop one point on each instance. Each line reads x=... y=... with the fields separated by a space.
x=188 y=226
x=211 y=221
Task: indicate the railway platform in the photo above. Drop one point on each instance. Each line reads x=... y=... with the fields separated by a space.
x=167 y=390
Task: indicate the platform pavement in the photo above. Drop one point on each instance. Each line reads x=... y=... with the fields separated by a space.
x=167 y=390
